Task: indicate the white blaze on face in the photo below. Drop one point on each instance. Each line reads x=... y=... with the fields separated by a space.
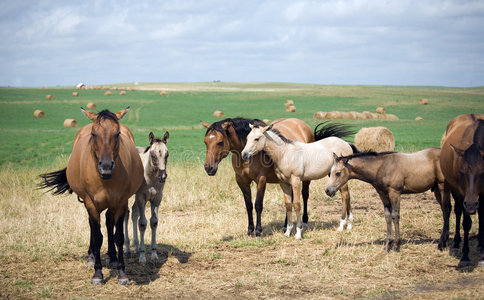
x=211 y=136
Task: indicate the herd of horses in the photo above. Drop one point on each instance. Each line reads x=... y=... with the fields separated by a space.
x=105 y=169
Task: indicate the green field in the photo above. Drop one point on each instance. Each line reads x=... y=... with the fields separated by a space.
x=38 y=142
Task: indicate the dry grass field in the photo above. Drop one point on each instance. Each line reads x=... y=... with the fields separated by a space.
x=204 y=252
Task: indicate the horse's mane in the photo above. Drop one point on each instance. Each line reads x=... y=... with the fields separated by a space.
x=282 y=137
x=241 y=126
x=472 y=155
x=479 y=134
x=365 y=154
x=106 y=114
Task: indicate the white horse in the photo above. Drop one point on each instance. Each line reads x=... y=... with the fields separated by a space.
x=154 y=160
x=295 y=162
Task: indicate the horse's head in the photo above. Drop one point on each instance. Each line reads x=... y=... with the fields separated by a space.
x=338 y=176
x=471 y=175
x=158 y=155
x=256 y=140
x=104 y=141
x=218 y=146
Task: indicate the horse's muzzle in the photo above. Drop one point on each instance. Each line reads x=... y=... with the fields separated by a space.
x=211 y=170
x=105 y=169
x=331 y=191
x=162 y=176
x=246 y=156
x=471 y=207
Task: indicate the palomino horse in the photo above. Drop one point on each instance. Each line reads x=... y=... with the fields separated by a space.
x=230 y=135
x=393 y=174
x=104 y=169
x=296 y=162
x=154 y=158
x=463 y=167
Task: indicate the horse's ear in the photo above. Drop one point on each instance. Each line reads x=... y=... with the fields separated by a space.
x=152 y=138
x=120 y=114
x=458 y=151
x=165 y=137
x=251 y=126
x=206 y=125
x=335 y=157
x=89 y=114
x=268 y=127
x=226 y=125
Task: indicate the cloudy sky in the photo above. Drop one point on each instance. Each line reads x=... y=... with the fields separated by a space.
x=393 y=42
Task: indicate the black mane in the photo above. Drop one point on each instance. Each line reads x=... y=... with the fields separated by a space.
x=365 y=154
x=241 y=126
x=283 y=138
x=472 y=155
x=479 y=134
x=106 y=114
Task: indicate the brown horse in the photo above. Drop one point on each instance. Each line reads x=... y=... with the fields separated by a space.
x=463 y=167
x=104 y=169
x=392 y=174
x=230 y=135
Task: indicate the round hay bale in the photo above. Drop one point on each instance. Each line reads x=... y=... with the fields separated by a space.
x=376 y=116
x=163 y=93
x=320 y=115
x=381 y=110
x=289 y=103
x=39 y=114
x=70 y=123
x=360 y=115
x=391 y=117
x=424 y=101
x=107 y=93
x=418 y=119
x=291 y=108
x=346 y=115
x=75 y=94
x=218 y=114
x=334 y=115
x=367 y=115
x=353 y=115
x=49 y=97
x=122 y=93
x=114 y=88
x=376 y=139
x=91 y=105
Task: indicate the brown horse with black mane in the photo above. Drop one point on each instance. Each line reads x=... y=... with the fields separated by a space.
x=104 y=170
x=463 y=167
x=230 y=135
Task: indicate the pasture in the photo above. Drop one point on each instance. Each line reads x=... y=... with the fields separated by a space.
x=202 y=244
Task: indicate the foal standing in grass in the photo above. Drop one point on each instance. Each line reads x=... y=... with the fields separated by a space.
x=154 y=159
x=296 y=162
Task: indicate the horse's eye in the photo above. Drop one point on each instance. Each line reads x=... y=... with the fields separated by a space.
x=338 y=174
x=221 y=143
x=256 y=139
x=93 y=134
x=117 y=134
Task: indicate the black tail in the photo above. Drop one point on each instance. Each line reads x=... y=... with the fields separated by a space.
x=353 y=147
x=335 y=129
x=56 y=182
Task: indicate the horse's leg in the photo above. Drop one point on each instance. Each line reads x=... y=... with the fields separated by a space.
x=142 y=223
x=395 y=202
x=134 y=219
x=443 y=198
x=119 y=238
x=305 y=196
x=126 y=234
x=287 y=189
x=245 y=188
x=154 y=225
x=346 y=216
x=458 y=214
x=90 y=253
x=388 y=218
x=285 y=219
x=259 y=203
x=111 y=247
x=480 y=235
x=97 y=241
x=466 y=225
x=296 y=203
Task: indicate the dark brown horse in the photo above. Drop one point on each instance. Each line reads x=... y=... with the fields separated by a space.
x=104 y=170
x=463 y=167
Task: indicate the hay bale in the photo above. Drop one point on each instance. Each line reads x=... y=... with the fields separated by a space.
x=367 y=115
x=360 y=115
x=91 y=105
x=376 y=116
x=354 y=115
x=39 y=114
x=163 y=93
x=122 y=93
x=107 y=93
x=377 y=139
x=75 y=94
x=334 y=115
x=346 y=115
x=418 y=119
x=320 y=115
x=218 y=114
x=391 y=117
x=291 y=108
x=289 y=103
x=49 y=97
x=424 y=101
x=70 y=123
x=381 y=110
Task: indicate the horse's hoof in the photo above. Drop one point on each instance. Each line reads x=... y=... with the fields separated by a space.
x=90 y=262
x=305 y=224
x=154 y=256
x=464 y=263
x=349 y=226
x=97 y=281
x=142 y=259
x=340 y=228
x=481 y=263
x=123 y=281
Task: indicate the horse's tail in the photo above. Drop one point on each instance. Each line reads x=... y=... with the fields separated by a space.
x=56 y=182
x=334 y=129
